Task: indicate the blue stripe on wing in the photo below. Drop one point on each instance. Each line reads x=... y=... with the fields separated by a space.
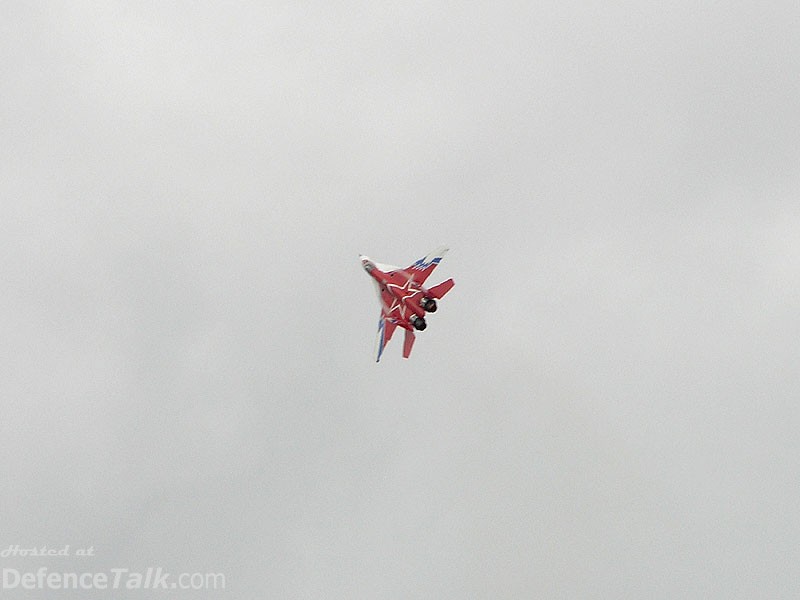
x=422 y=265
x=381 y=338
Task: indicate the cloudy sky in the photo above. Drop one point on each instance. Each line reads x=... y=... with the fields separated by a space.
x=605 y=406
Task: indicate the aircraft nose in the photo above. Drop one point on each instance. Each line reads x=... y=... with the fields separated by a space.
x=366 y=263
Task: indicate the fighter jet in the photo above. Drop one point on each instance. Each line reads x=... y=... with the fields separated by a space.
x=403 y=297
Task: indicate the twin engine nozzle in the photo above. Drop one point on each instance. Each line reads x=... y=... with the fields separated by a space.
x=428 y=304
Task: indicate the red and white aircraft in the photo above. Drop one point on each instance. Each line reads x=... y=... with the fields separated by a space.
x=404 y=299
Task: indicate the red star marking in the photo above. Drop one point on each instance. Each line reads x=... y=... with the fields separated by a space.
x=400 y=294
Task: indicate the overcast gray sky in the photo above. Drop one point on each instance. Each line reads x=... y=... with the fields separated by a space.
x=605 y=406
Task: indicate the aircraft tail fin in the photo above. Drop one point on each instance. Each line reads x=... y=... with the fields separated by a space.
x=440 y=290
x=408 y=343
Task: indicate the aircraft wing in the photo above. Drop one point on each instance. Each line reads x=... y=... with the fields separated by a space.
x=421 y=269
x=386 y=328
